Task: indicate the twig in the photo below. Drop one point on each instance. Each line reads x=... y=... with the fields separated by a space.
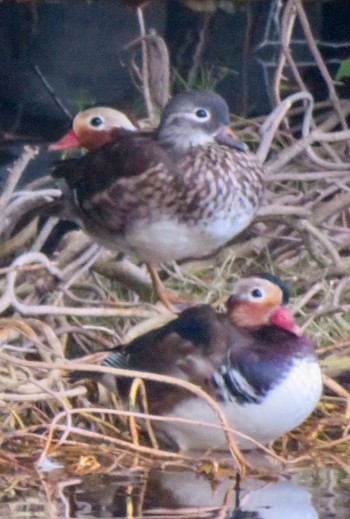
x=81 y=265
x=309 y=231
x=319 y=61
x=157 y=418
x=336 y=388
x=125 y=272
x=14 y=175
x=44 y=234
x=337 y=293
x=197 y=54
x=328 y=209
x=288 y=21
x=272 y=122
x=145 y=72
x=309 y=176
x=269 y=211
x=315 y=289
x=52 y=93
x=156 y=453
x=41 y=397
x=303 y=144
x=73 y=365
x=14 y=244
x=9 y=296
x=106 y=264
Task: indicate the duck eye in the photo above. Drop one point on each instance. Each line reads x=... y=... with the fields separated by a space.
x=257 y=293
x=96 y=122
x=201 y=113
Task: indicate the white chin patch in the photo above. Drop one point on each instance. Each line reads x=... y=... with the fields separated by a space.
x=201 y=139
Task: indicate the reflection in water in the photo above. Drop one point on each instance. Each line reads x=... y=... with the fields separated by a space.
x=132 y=494
x=183 y=494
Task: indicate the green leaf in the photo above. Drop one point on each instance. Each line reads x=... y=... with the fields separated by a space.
x=344 y=69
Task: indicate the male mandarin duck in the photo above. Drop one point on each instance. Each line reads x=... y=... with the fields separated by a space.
x=253 y=360
x=182 y=192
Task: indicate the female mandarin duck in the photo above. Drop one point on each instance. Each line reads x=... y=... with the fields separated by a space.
x=253 y=360
x=180 y=193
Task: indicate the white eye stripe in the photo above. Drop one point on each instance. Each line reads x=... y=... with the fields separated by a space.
x=194 y=117
x=201 y=115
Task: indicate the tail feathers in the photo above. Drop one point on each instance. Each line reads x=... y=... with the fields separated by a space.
x=58 y=208
x=115 y=358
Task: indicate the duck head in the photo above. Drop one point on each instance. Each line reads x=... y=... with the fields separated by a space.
x=94 y=127
x=257 y=302
x=196 y=118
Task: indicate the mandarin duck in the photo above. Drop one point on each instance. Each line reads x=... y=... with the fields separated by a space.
x=253 y=360
x=180 y=192
x=93 y=127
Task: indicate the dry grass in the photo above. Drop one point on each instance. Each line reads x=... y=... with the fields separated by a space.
x=81 y=300
x=56 y=308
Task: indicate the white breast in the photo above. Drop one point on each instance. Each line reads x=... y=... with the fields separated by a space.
x=167 y=240
x=285 y=407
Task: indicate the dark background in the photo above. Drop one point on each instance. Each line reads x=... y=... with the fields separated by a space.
x=78 y=47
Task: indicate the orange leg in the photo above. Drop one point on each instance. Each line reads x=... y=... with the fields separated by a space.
x=164 y=296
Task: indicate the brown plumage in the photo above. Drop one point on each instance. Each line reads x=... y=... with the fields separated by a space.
x=253 y=360
x=182 y=195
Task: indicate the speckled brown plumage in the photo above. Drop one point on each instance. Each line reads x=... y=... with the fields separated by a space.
x=184 y=195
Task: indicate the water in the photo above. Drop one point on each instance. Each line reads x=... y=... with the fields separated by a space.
x=306 y=494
